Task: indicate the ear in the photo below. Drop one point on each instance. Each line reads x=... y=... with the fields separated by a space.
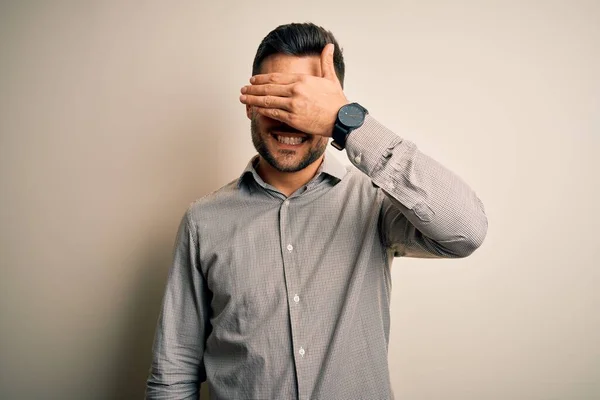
x=249 y=111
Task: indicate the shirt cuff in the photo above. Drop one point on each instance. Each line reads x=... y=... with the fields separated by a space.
x=370 y=146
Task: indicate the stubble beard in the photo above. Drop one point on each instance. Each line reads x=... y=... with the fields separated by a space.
x=313 y=154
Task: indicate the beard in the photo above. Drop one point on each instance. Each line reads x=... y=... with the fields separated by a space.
x=285 y=162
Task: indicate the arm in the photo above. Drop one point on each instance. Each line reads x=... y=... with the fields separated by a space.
x=177 y=366
x=427 y=210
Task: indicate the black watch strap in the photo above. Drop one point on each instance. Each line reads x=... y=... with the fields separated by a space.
x=340 y=134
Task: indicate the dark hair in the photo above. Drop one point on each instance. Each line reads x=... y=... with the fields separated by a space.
x=295 y=39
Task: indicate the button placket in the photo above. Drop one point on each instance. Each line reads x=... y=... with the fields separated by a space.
x=292 y=284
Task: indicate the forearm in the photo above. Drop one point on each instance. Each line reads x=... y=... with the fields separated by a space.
x=448 y=216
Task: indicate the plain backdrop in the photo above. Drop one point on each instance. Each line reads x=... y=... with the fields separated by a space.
x=115 y=115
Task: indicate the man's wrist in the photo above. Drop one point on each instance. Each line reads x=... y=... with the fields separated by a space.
x=349 y=117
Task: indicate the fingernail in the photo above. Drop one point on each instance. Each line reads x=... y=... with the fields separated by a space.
x=252 y=79
x=244 y=89
x=242 y=98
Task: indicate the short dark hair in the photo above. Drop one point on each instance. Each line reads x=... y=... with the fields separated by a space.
x=305 y=39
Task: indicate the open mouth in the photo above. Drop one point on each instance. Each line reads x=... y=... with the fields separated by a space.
x=290 y=138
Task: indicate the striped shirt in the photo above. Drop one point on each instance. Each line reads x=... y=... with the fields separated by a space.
x=275 y=297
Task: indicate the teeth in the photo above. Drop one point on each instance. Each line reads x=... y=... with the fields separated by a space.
x=289 y=140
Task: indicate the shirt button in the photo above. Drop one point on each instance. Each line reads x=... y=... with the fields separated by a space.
x=296 y=298
x=290 y=247
x=358 y=159
x=286 y=203
x=301 y=351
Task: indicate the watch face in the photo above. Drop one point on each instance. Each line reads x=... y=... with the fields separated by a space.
x=351 y=115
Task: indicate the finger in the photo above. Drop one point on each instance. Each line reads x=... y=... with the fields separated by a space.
x=275 y=113
x=276 y=77
x=327 y=66
x=268 y=90
x=283 y=103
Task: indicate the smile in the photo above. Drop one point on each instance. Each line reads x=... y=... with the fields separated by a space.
x=291 y=140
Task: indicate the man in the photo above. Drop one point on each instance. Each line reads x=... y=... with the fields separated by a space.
x=280 y=286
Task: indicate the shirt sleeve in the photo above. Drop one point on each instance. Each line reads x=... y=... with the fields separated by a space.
x=177 y=367
x=427 y=210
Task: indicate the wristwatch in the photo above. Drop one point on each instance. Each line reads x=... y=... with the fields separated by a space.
x=349 y=117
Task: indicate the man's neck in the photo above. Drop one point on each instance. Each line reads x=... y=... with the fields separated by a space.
x=287 y=182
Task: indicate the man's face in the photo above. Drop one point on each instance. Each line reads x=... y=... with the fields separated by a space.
x=283 y=147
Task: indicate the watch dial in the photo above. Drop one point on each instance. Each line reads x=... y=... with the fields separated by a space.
x=351 y=115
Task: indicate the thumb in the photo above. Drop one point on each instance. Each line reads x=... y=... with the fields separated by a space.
x=327 y=67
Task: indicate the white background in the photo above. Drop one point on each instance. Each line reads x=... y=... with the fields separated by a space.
x=115 y=115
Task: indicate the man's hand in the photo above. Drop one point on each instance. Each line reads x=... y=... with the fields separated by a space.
x=304 y=102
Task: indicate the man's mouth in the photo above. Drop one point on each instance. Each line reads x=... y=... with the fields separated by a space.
x=290 y=138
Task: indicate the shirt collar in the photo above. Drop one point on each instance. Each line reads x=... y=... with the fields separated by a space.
x=330 y=166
